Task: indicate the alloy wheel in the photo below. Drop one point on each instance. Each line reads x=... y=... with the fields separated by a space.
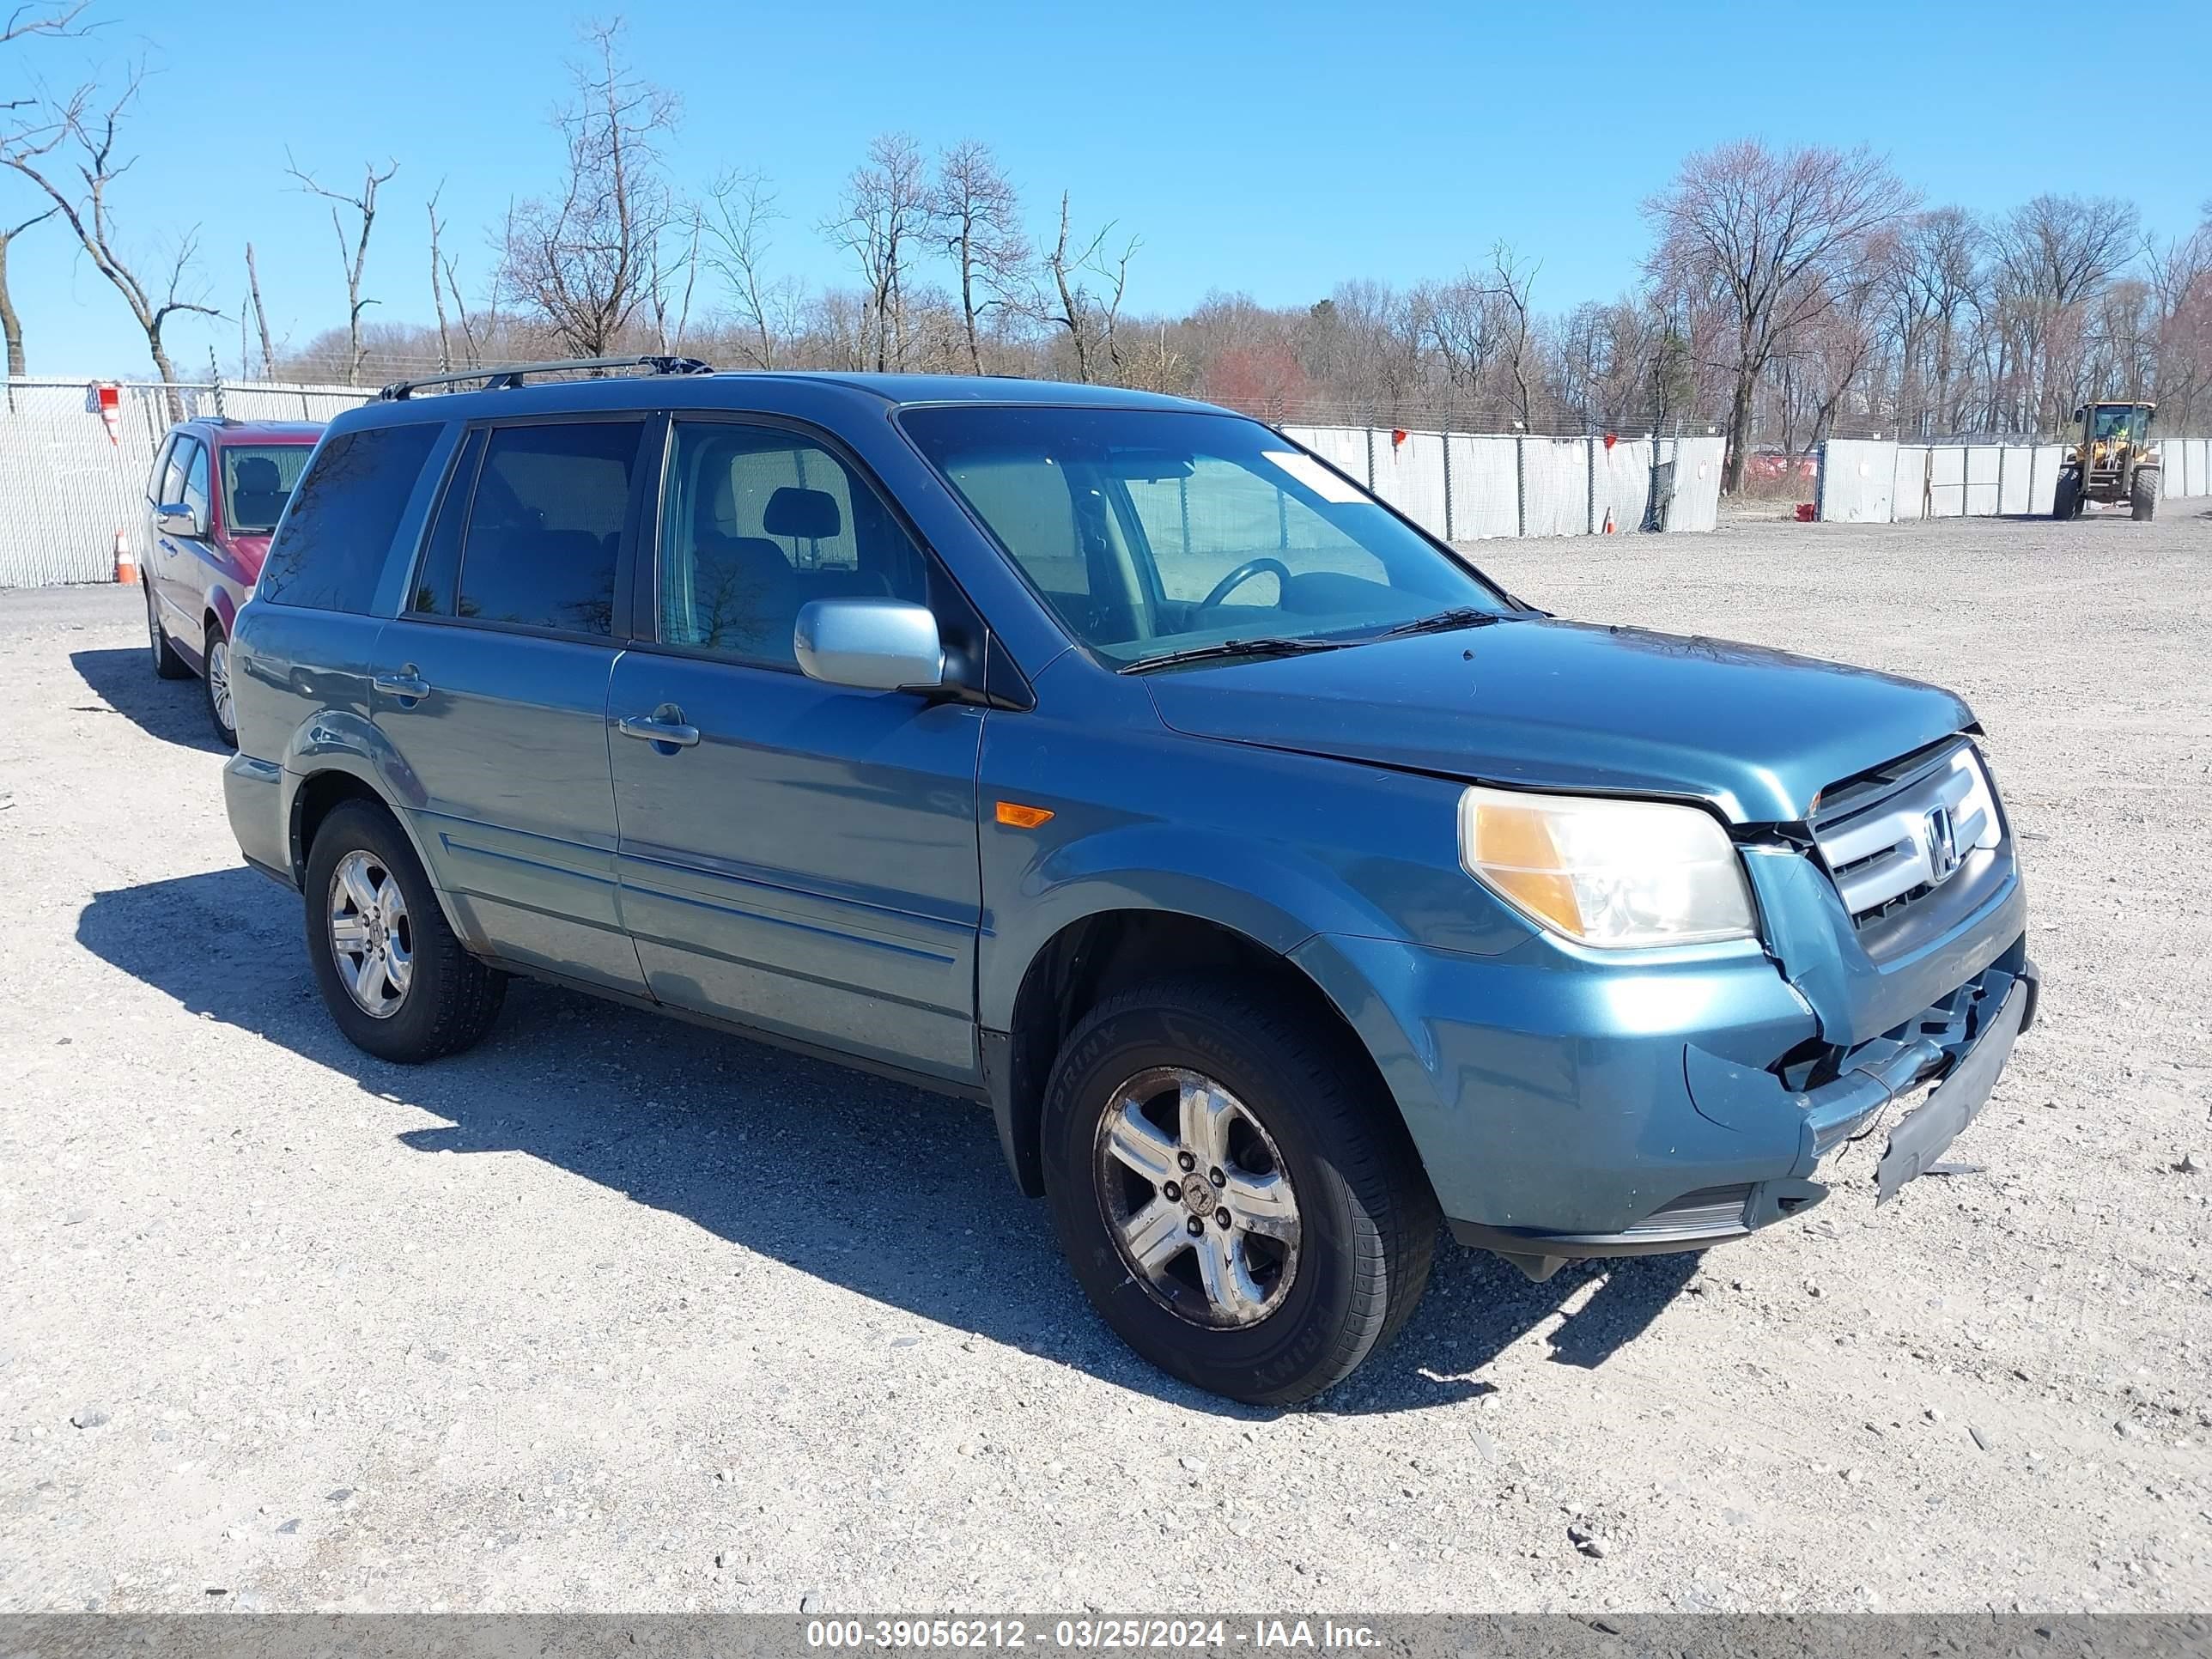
x=1197 y=1198
x=218 y=684
x=372 y=940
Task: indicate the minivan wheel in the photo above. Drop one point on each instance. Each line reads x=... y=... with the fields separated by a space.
x=215 y=675
x=1233 y=1199
x=392 y=972
x=168 y=665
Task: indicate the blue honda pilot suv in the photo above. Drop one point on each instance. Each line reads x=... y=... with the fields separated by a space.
x=1283 y=884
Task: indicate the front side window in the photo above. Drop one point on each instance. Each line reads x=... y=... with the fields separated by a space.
x=344 y=514
x=258 y=479
x=195 y=496
x=154 y=479
x=171 y=489
x=1152 y=532
x=545 y=525
x=756 y=522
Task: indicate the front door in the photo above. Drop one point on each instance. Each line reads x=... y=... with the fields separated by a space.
x=795 y=856
x=491 y=685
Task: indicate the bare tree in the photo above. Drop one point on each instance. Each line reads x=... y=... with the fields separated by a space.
x=1088 y=315
x=739 y=209
x=82 y=134
x=2052 y=256
x=667 y=339
x=260 y=317
x=11 y=325
x=1760 y=236
x=585 y=261
x=1515 y=284
x=979 y=217
x=437 y=285
x=353 y=259
x=884 y=217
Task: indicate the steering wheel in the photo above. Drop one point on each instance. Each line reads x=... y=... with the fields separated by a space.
x=1244 y=573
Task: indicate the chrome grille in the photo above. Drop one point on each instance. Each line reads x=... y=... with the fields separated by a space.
x=1880 y=833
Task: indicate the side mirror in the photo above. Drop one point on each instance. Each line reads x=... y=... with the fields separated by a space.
x=176 y=518
x=872 y=644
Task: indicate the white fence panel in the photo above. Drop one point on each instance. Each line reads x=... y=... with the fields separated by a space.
x=1410 y=476
x=2043 y=480
x=1947 y=481
x=1343 y=447
x=1621 y=484
x=2016 y=481
x=1486 y=487
x=1555 y=483
x=1858 y=481
x=1909 y=494
x=1696 y=503
x=1982 y=463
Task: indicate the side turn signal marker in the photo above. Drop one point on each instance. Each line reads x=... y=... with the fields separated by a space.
x=1023 y=817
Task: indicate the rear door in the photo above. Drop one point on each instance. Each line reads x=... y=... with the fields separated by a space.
x=492 y=687
x=181 y=563
x=803 y=859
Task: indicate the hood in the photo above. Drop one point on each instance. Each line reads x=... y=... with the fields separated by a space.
x=1573 y=706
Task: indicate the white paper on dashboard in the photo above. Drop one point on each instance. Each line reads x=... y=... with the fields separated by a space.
x=1315 y=477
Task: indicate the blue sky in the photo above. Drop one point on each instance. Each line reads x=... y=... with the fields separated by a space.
x=1273 y=150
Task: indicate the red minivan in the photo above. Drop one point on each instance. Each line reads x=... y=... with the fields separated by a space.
x=217 y=491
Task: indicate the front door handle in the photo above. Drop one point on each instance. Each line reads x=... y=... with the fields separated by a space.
x=406 y=684
x=653 y=729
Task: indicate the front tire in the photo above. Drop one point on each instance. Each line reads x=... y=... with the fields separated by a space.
x=2143 y=493
x=1233 y=1197
x=2066 y=502
x=393 y=975
x=215 y=678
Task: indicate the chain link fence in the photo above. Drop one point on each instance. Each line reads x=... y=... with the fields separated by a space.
x=71 y=487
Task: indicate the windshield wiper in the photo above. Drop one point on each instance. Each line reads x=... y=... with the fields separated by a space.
x=1443 y=622
x=1260 y=648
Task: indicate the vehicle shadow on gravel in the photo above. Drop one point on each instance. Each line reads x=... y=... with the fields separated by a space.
x=175 y=711
x=888 y=1191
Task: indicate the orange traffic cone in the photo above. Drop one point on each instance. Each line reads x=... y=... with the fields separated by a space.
x=1609 y=521
x=126 y=562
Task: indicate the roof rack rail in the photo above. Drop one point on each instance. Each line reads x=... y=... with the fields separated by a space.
x=499 y=376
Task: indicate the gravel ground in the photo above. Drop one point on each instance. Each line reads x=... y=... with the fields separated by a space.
x=615 y=1314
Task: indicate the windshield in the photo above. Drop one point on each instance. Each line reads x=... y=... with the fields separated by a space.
x=2116 y=421
x=256 y=482
x=1155 y=532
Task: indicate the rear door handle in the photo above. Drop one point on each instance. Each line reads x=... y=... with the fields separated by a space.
x=653 y=730
x=407 y=684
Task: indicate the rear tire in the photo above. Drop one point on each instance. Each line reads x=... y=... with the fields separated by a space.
x=168 y=665
x=2143 y=493
x=2066 y=503
x=215 y=680
x=1338 y=1225
x=380 y=942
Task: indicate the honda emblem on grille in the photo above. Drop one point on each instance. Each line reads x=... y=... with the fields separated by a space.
x=1942 y=847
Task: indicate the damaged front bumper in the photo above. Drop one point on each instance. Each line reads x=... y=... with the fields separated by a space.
x=1960 y=1044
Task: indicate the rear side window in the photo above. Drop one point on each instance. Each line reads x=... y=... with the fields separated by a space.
x=258 y=479
x=545 y=527
x=343 y=515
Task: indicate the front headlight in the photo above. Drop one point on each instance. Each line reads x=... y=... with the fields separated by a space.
x=1614 y=873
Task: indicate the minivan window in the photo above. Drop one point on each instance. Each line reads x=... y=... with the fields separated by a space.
x=337 y=536
x=195 y=498
x=160 y=472
x=545 y=525
x=1154 y=531
x=756 y=522
x=171 y=488
x=258 y=479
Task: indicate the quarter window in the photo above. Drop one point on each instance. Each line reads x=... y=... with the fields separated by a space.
x=756 y=522
x=545 y=525
x=336 y=538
